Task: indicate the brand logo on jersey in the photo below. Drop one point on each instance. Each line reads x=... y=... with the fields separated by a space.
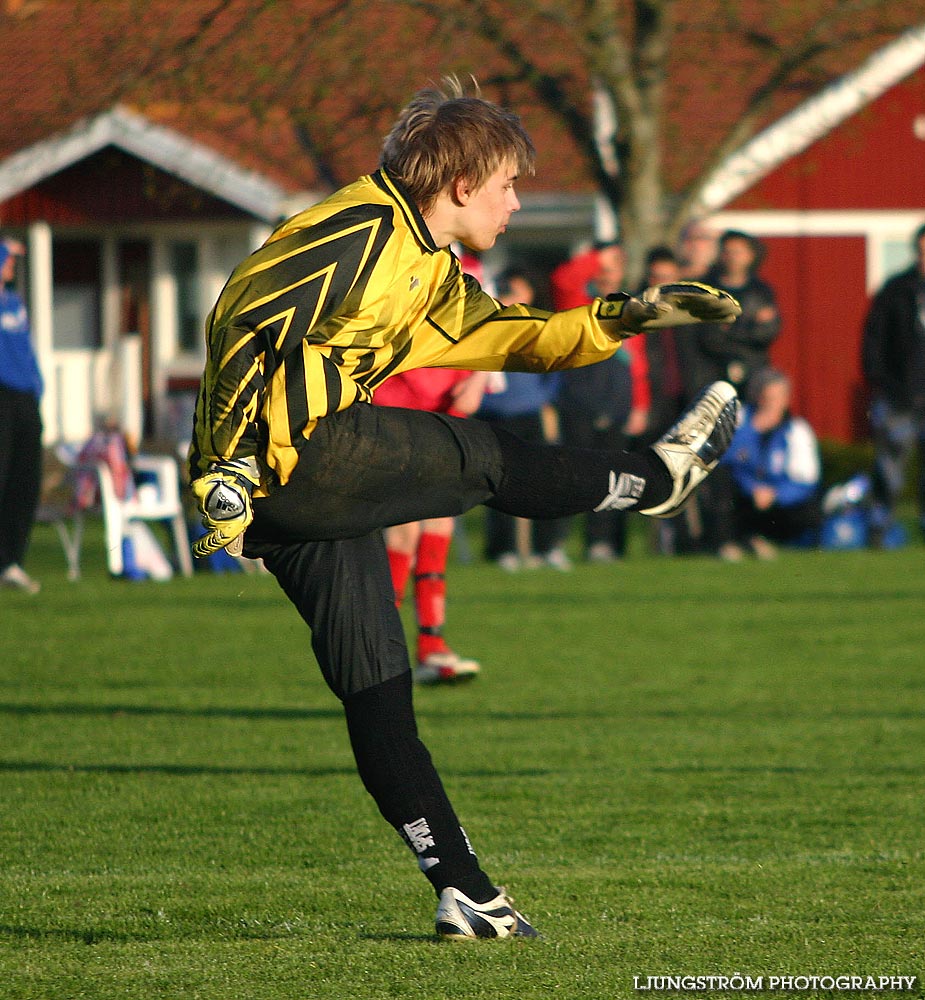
x=415 y=283
x=610 y=309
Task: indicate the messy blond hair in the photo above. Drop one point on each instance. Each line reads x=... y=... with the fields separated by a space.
x=443 y=135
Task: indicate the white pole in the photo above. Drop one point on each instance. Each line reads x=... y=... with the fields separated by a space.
x=40 y=318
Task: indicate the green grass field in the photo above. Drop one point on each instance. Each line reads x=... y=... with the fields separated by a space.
x=675 y=766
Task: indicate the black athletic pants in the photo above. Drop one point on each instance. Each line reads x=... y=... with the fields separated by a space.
x=20 y=472
x=363 y=469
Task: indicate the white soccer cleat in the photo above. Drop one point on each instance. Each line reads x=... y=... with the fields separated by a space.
x=460 y=919
x=445 y=668
x=692 y=448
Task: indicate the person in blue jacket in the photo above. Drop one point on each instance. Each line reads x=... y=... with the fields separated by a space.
x=522 y=408
x=20 y=428
x=769 y=479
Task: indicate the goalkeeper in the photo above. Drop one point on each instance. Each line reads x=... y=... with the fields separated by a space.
x=287 y=449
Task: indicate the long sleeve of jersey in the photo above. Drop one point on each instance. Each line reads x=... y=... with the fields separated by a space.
x=342 y=296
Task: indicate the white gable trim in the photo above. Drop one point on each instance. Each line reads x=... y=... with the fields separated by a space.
x=822 y=222
x=160 y=146
x=814 y=118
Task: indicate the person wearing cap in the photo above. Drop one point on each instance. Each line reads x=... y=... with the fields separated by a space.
x=20 y=428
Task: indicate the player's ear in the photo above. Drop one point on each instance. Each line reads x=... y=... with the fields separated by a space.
x=461 y=190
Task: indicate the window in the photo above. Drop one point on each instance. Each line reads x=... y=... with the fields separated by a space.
x=898 y=254
x=184 y=262
x=77 y=281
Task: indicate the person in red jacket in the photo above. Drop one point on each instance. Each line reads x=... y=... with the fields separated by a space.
x=424 y=546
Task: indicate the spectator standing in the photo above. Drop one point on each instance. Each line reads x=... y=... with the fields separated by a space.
x=523 y=407
x=767 y=486
x=605 y=406
x=671 y=359
x=893 y=358
x=669 y=354
x=569 y=281
x=20 y=428
x=736 y=350
x=697 y=250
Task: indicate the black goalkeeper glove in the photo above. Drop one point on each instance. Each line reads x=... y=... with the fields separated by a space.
x=677 y=304
x=224 y=497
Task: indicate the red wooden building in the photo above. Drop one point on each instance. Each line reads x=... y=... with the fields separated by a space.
x=835 y=190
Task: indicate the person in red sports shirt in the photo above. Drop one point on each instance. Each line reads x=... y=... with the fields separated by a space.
x=424 y=546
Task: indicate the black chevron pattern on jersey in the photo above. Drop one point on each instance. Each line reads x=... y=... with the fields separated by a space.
x=294 y=286
x=277 y=301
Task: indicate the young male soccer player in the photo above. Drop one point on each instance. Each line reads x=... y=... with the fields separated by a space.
x=286 y=447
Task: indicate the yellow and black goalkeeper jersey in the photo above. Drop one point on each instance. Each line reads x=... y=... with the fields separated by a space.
x=339 y=298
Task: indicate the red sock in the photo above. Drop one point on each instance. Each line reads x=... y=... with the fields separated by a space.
x=400 y=565
x=430 y=592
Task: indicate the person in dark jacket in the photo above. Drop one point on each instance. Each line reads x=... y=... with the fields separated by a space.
x=605 y=406
x=893 y=359
x=735 y=351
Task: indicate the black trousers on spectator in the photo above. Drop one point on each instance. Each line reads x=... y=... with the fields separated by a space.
x=738 y=519
x=20 y=472
x=780 y=524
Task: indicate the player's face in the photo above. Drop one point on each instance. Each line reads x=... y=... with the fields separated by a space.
x=488 y=209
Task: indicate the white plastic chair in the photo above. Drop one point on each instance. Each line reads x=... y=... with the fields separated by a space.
x=156 y=498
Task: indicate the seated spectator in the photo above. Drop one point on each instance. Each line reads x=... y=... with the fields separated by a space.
x=769 y=479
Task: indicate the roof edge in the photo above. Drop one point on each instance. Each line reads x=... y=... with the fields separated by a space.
x=800 y=128
x=157 y=144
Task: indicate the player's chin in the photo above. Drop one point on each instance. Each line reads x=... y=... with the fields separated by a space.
x=484 y=241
